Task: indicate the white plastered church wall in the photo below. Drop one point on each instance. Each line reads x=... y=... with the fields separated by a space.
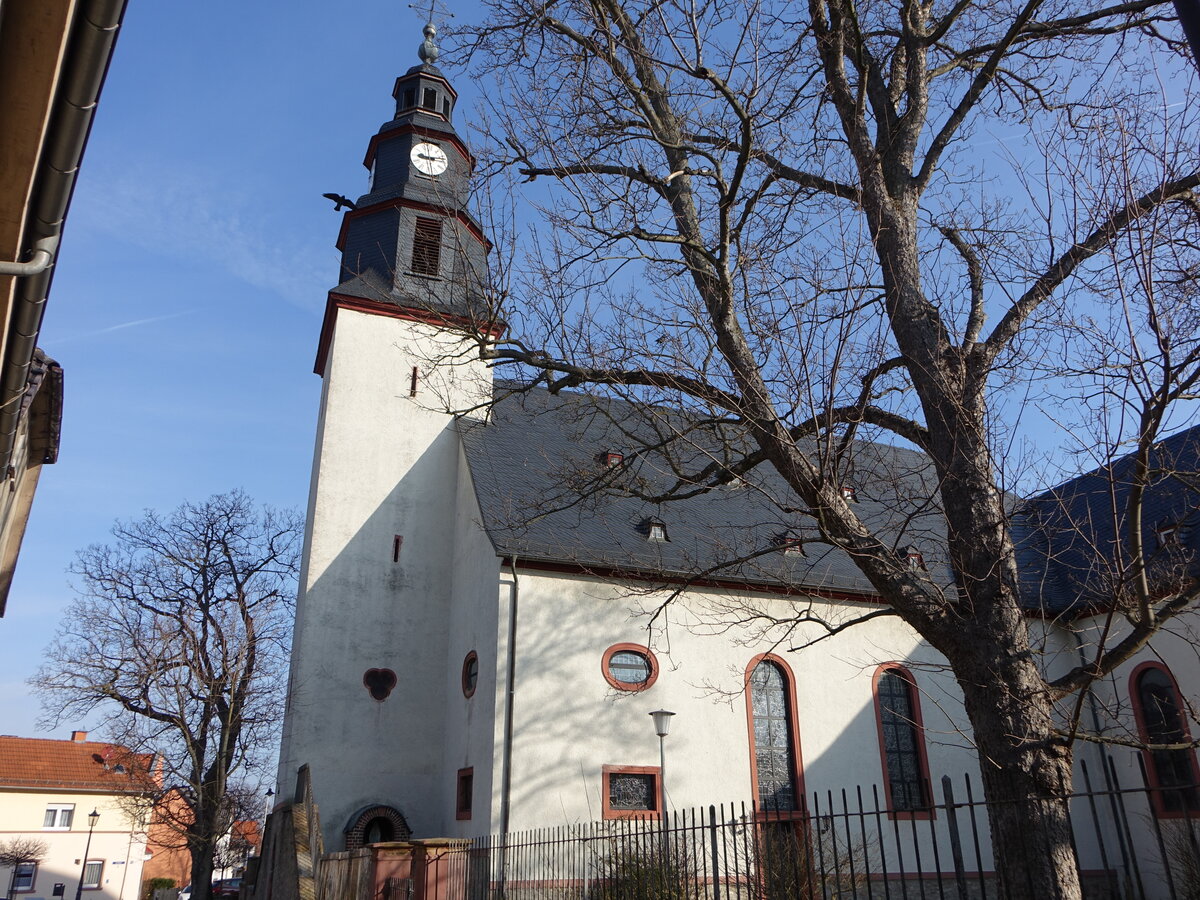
x=387 y=465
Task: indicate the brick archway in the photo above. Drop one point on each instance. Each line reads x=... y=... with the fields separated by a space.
x=389 y=821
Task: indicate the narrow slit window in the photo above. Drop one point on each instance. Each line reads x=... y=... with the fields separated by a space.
x=397 y=542
x=427 y=246
x=414 y=381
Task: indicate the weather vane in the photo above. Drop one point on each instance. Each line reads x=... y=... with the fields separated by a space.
x=428 y=51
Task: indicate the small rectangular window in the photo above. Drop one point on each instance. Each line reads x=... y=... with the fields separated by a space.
x=427 y=246
x=24 y=876
x=410 y=99
x=630 y=792
x=430 y=101
x=397 y=541
x=446 y=107
x=464 y=793
x=93 y=869
x=412 y=385
x=58 y=816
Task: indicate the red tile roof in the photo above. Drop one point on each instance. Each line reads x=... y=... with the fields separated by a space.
x=72 y=765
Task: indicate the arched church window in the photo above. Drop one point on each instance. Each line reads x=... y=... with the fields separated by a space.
x=776 y=773
x=1172 y=773
x=901 y=742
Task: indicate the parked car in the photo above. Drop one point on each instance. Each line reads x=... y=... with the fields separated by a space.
x=228 y=888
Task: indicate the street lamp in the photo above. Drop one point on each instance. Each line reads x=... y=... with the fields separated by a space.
x=662 y=727
x=93 y=818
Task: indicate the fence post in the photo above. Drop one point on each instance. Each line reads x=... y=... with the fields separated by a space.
x=712 y=841
x=960 y=872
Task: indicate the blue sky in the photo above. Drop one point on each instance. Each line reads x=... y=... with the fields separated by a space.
x=198 y=252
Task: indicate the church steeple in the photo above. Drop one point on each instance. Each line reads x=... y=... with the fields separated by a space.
x=412 y=242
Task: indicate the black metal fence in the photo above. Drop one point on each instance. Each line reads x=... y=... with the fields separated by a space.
x=839 y=844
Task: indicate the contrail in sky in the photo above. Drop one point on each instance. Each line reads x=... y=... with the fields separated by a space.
x=133 y=324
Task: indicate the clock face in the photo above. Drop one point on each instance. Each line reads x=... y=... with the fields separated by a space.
x=429 y=159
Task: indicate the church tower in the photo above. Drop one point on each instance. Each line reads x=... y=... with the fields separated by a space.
x=366 y=697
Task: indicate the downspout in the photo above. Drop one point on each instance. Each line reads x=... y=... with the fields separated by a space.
x=506 y=774
x=89 y=52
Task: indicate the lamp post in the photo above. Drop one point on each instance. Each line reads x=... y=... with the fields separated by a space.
x=93 y=818
x=662 y=727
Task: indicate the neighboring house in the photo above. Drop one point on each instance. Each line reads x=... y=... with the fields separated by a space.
x=53 y=58
x=167 y=855
x=471 y=652
x=48 y=791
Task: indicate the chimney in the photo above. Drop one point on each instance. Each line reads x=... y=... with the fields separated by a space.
x=79 y=736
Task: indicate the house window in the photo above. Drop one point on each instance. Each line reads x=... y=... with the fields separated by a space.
x=93 y=869
x=463 y=793
x=470 y=673
x=901 y=742
x=773 y=735
x=427 y=246
x=631 y=792
x=629 y=667
x=24 y=876
x=58 y=816
x=1173 y=773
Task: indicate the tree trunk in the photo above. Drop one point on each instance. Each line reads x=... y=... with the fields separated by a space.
x=202 y=870
x=1026 y=771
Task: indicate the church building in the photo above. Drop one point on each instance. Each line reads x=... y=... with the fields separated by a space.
x=478 y=645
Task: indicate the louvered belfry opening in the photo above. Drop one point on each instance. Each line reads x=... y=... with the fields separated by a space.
x=427 y=246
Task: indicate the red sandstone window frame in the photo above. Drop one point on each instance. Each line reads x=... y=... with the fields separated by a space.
x=469 y=686
x=607 y=812
x=1139 y=715
x=629 y=686
x=464 y=793
x=918 y=723
x=789 y=680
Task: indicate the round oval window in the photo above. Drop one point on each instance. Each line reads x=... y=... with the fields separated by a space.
x=470 y=674
x=629 y=667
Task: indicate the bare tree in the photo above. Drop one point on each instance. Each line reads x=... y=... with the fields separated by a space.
x=931 y=222
x=179 y=639
x=20 y=851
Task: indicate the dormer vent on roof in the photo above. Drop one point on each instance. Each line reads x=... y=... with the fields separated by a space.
x=849 y=493
x=1167 y=534
x=916 y=560
x=654 y=529
x=791 y=542
x=611 y=459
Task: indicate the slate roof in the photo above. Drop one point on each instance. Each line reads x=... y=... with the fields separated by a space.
x=93 y=766
x=532 y=457
x=1070 y=537
x=537 y=451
